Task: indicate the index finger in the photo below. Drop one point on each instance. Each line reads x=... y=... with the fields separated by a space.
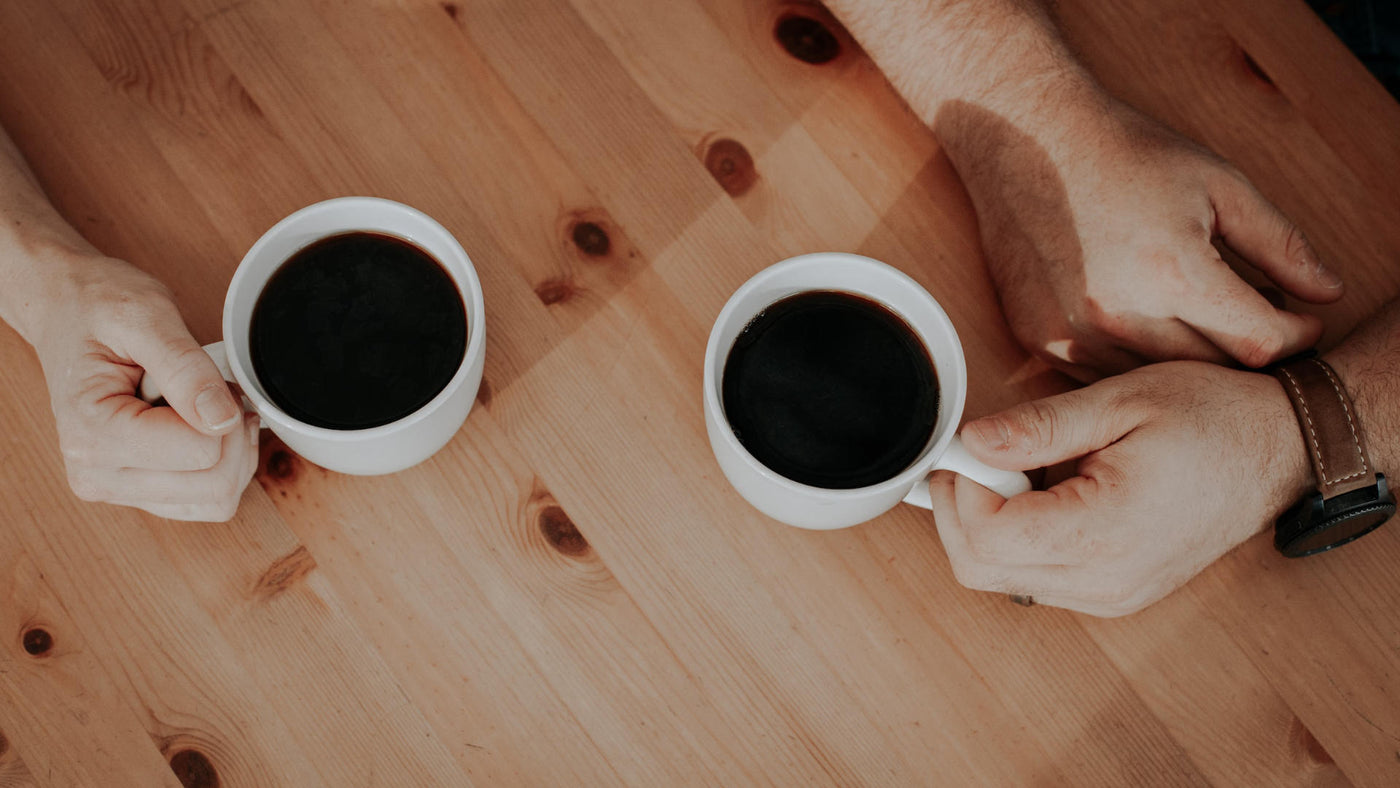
x=1240 y=321
x=1057 y=581
x=1053 y=526
x=129 y=433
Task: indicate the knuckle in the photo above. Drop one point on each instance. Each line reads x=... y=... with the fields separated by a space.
x=1231 y=171
x=1147 y=594
x=964 y=571
x=1035 y=424
x=187 y=363
x=1106 y=472
x=1119 y=598
x=1123 y=594
x=1092 y=310
x=1259 y=349
x=76 y=452
x=85 y=487
x=133 y=307
x=1195 y=228
x=1296 y=246
x=1126 y=606
x=1097 y=316
x=980 y=547
x=205 y=454
x=227 y=505
x=1113 y=611
x=201 y=514
x=975 y=576
x=228 y=491
x=1135 y=389
x=1170 y=266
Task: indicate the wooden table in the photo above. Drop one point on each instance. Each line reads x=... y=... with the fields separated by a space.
x=570 y=593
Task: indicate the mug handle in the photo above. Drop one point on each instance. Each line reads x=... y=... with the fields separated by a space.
x=957 y=459
x=150 y=393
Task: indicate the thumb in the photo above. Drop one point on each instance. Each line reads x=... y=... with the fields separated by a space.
x=1260 y=233
x=183 y=373
x=1040 y=433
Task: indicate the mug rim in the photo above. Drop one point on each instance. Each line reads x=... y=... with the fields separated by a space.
x=922 y=464
x=467 y=282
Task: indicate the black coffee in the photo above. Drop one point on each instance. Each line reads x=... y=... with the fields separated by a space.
x=831 y=389
x=357 y=330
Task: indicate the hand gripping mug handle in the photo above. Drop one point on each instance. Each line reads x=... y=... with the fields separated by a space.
x=149 y=392
x=957 y=459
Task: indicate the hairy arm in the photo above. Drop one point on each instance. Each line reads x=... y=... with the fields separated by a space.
x=1003 y=55
x=1368 y=362
x=1175 y=464
x=1097 y=222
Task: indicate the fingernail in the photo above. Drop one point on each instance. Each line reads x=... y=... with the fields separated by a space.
x=216 y=408
x=991 y=432
x=1328 y=277
x=1325 y=275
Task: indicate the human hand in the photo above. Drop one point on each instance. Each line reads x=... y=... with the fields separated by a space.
x=1177 y=463
x=188 y=461
x=1098 y=228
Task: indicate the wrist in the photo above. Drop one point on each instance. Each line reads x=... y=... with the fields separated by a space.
x=42 y=277
x=1038 y=128
x=1286 y=468
x=1352 y=497
x=1005 y=58
x=1061 y=107
x=1364 y=371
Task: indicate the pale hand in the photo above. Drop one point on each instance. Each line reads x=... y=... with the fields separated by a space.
x=1177 y=464
x=188 y=461
x=1100 y=244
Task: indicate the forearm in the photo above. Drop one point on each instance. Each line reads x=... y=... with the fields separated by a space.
x=1011 y=107
x=36 y=245
x=1368 y=363
x=1003 y=56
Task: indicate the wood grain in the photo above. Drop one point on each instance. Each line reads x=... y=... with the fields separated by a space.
x=570 y=592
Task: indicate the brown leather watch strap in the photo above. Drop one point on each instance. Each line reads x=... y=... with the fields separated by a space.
x=1331 y=429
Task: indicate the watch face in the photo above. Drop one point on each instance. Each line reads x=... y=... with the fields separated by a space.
x=1340 y=529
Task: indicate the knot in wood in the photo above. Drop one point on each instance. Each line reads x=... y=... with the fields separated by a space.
x=281 y=465
x=591 y=239
x=193 y=769
x=807 y=39
x=1308 y=743
x=731 y=165
x=554 y=291
x=560 y=532
x=284 y=573
x=37 y=641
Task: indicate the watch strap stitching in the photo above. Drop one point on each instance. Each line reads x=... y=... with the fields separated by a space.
x=1312 y=433
x=1351 y=423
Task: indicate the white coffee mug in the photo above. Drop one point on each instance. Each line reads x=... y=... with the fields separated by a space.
x=377 y=450
x=806 y=506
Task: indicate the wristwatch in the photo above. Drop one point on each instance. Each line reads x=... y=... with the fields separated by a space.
x=1352 y=499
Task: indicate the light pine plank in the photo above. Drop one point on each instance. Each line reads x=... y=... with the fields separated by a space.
x=62 y=693
x=570 y=593
x=13 y=772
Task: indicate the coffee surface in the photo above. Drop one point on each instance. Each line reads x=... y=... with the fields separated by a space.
x=357 y=330
x=831 y=390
